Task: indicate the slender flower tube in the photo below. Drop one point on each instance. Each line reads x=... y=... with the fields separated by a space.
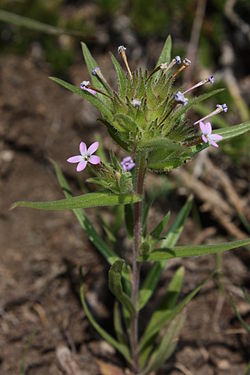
x=186 y=62
x=165 y=66
x=201 y=83
x=220 y=108
x=86 y=156
x=121 y=50
x=85 y=85
x=96 y=72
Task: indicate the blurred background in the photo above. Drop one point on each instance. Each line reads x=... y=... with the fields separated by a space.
x=40 y=252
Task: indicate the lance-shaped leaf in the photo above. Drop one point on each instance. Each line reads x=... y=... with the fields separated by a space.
x=161 y=317
x=30 y=23
x=192 y=250
x=234 y=131
x=170 y=240
x=83 y=220
x=168 y=302
x=121 y=77
x=165 y=55
x=167 y=345
x=115 y=285
x=81 y=201
x=123 y=349
x=157 y=231
x=93 y=99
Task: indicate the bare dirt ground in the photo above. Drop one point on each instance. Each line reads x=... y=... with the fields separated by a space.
x=40 y=252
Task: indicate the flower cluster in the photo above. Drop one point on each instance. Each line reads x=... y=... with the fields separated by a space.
x=148 y=114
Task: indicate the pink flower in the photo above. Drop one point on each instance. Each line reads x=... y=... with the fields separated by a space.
x=207 y=135
x=86 y=156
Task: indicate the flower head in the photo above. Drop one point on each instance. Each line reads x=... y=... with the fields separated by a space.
x=178 y=60
x=211 y=79
x=222 y=107
x=127 y=163
x=85 y=86
x=180 y=98
x=207 y=136
x=86 y=156
x=95 y=71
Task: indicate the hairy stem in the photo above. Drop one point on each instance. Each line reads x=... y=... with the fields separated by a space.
x=140 y=174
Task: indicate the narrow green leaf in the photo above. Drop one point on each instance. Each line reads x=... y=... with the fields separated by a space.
x=118 y=324
x=115 y=285
x=167 y=345
x=165 y=55
x=32 y=24
x=81 y=201
x=234 y=131
x=191 y=251
x=170 y=240
x=121 y=77
x=157 y=231
x=167 y=315
x=83 y=220
x=129 y=219
x=93 y=99
x=118 y=346
x=167 y=303
x=242 y=321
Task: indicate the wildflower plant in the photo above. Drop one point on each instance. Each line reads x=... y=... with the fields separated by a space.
x=149 y=118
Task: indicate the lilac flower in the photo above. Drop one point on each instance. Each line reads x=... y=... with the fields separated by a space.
x=211 y=79
x=180 y=98
x=207 y=135
x=85 y=86
x=127 y=163
x=96 y=71
x=178 y=60
x=222 y=107
x=86 y=156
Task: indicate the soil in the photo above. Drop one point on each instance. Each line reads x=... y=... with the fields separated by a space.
x=40 y=252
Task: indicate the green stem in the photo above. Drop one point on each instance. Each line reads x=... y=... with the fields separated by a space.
x=139 y=182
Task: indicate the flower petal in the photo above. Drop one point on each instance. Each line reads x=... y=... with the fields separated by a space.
x=74 y=159
x=81 y=166
x=204 y=138
x=206 y=128
x=212 y=143
x=83 y=148
x=216 y=137
x=94 y=159
x=92 y=148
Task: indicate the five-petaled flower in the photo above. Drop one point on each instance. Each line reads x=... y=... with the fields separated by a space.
x=207 y=135
x=127 y=163
x=86 y=156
